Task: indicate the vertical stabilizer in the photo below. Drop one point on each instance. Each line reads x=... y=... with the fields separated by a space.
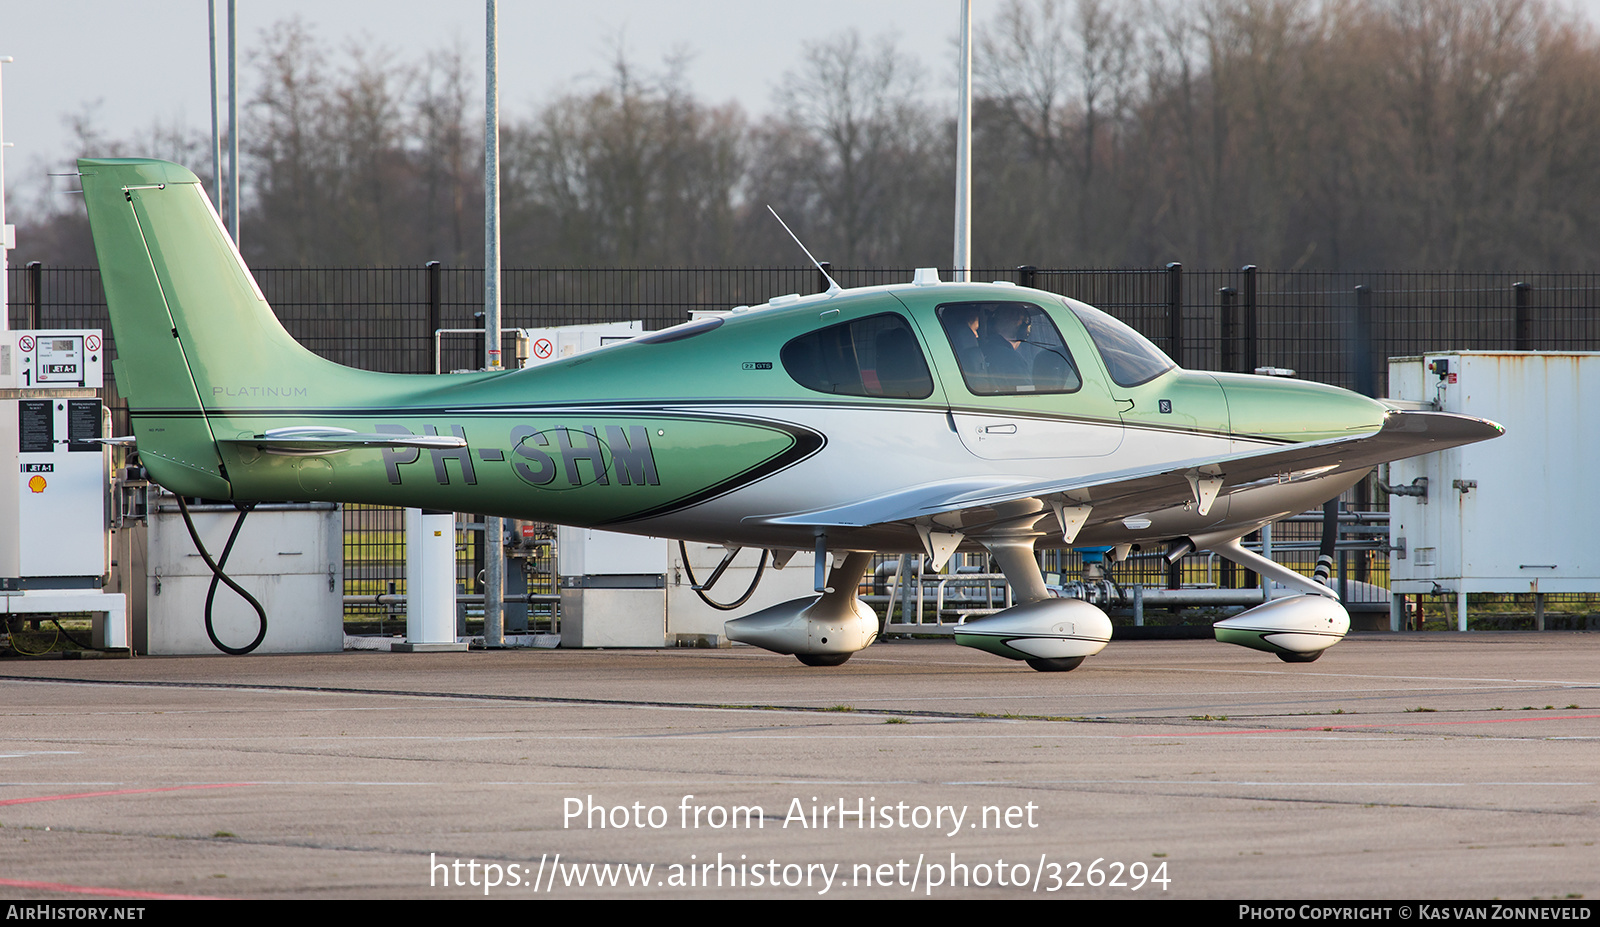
x=196 y=340
x=153 y=372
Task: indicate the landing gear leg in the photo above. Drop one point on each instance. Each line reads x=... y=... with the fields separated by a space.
x=1017 y=561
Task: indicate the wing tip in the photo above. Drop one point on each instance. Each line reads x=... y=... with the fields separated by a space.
x=1452 y=427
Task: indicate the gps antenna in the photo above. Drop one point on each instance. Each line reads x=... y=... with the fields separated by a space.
x=833 y=285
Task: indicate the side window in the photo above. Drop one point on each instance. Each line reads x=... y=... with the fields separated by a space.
x=874 y=356
x=1008 y=348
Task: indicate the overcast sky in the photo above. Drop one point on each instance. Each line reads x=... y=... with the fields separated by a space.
x=139 y=61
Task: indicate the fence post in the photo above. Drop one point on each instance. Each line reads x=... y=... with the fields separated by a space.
x=35 y=293
x=435 y=315
x=1361 y=363
x=1524 y=320
x=1367 y=385
x=1175 y=311
x=1230 y=329
x=1027 y=274
x=1251 y=361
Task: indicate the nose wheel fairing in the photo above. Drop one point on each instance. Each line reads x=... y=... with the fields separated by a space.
x=1300 y=626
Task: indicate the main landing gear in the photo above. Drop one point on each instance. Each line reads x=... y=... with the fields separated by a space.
x=822 y=630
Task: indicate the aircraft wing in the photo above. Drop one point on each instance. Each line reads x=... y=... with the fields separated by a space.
x=970 y=506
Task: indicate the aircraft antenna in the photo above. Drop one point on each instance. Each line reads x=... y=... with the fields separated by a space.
x=833 y=285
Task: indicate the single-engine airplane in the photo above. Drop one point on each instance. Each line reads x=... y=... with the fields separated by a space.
x=927 y=416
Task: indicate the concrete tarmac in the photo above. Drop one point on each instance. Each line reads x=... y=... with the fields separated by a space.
x=1423 y=766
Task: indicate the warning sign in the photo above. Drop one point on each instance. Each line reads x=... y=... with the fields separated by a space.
x=542 y=349
x=92 y=342
x=25 y=342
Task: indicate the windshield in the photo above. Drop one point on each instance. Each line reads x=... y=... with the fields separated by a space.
x=1130 y=357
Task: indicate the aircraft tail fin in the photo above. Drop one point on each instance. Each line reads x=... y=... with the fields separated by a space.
x=195 y=337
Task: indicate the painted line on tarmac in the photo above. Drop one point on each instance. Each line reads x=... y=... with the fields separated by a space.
x=170 y=788
x=1336 y=728
x=19 y=754
x=1565 y=683
x=103 y=892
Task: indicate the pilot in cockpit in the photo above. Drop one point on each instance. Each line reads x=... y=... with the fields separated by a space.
x=1002 y=337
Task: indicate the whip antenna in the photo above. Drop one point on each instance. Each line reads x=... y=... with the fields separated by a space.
x=833 y=285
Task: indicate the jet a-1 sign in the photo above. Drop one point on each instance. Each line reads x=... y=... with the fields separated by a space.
x=927 y=416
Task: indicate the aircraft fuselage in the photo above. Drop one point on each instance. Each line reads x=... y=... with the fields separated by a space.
x=698 y=436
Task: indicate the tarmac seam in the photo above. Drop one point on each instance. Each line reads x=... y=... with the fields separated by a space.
x=807 y=709
x=540 y=699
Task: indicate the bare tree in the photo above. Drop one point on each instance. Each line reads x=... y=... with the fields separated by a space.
x=636 y=173
x=853 y=159
x=1428 y=134
x=451 y=186
x=289 y=139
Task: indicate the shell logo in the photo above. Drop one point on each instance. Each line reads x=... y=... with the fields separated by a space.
x=36 y=483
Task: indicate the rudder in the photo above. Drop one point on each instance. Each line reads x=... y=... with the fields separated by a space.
x=152 y=370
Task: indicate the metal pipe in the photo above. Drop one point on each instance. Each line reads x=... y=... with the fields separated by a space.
x=233 y=126
x=216 y=136
x=399 y=598
x=168 y=507
x=5 y=290
x=494 y=551
x=963 y=235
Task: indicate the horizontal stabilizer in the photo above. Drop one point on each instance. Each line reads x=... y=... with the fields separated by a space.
x=330 y=440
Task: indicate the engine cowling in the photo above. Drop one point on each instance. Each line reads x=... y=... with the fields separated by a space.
x=1050 y=629
x=1297 y=628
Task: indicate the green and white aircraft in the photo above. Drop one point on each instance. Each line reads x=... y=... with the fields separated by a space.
x=927 y=416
